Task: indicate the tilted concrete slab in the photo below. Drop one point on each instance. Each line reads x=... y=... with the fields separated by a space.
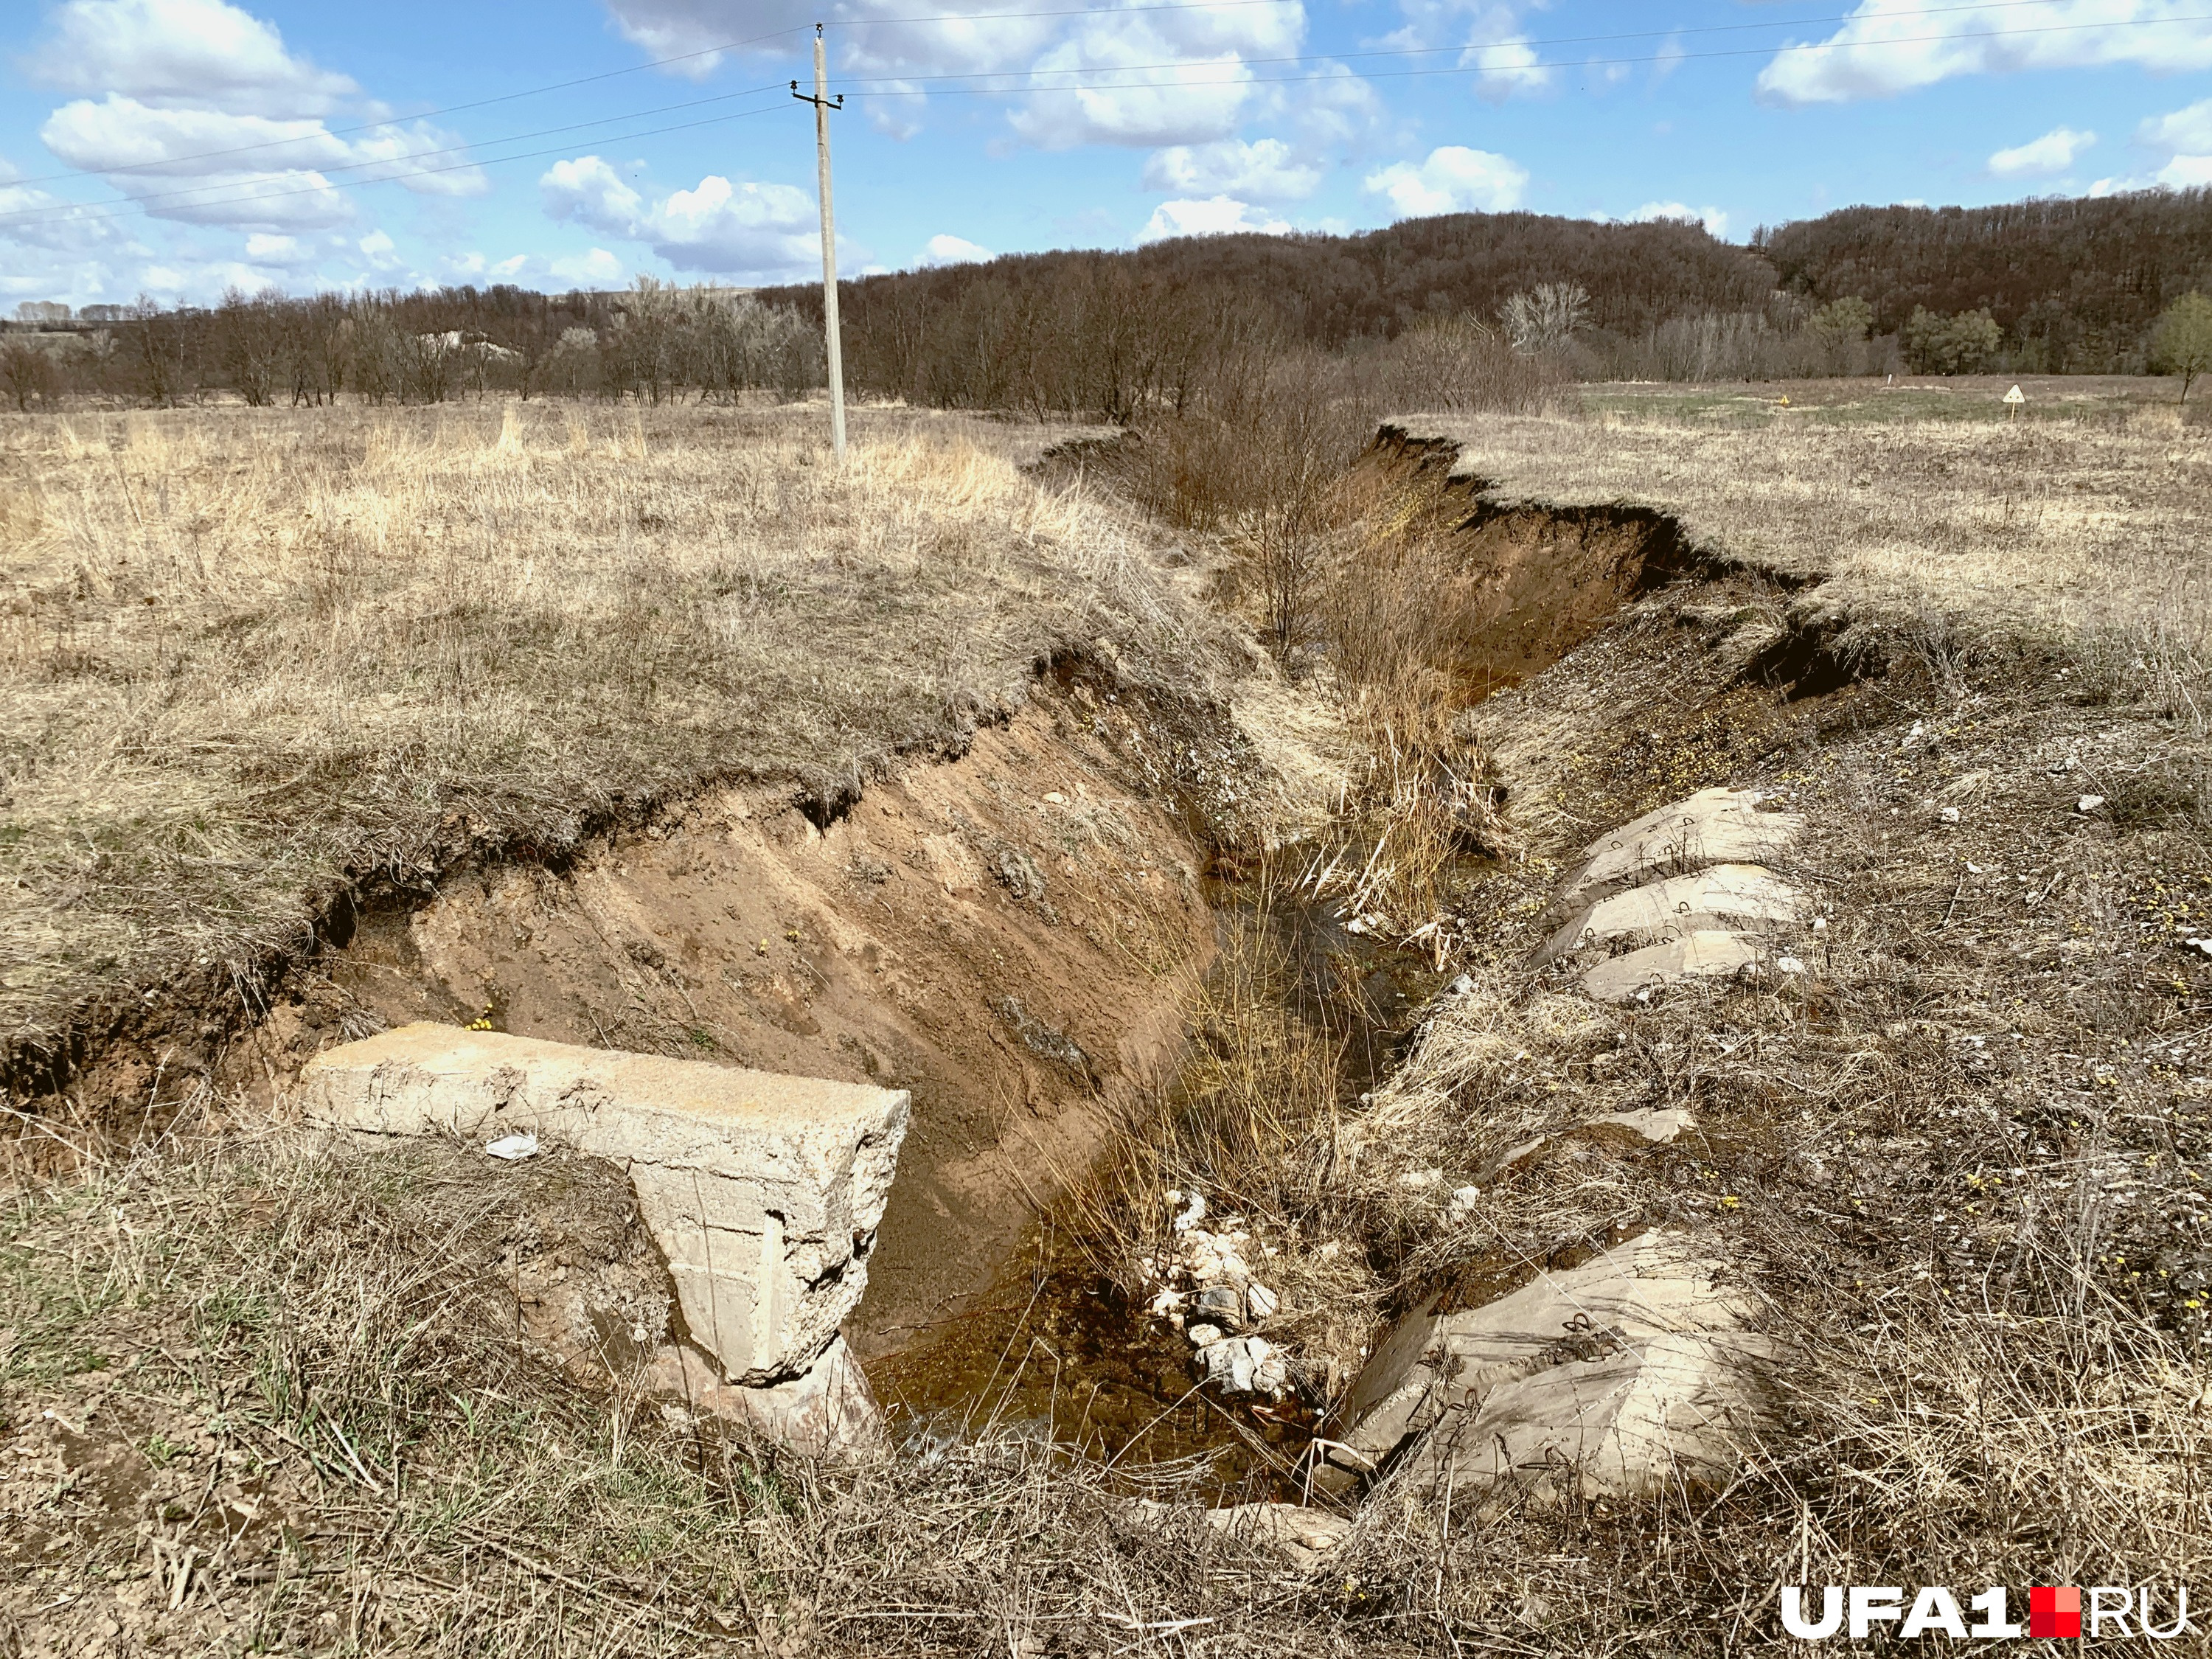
x=1651 y=1412
x=763 y=1192
x=1708 y=954
x=1714 y=826
x=1440 y=1368
x=1742 y=894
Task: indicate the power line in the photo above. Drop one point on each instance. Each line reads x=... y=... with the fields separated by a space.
x=420 y=173
x=663 y=63
x=897 y=86
x=424 y=155
x=894 y=84
x=956 y=17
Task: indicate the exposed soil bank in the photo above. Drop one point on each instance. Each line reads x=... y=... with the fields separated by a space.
x=1013 y=937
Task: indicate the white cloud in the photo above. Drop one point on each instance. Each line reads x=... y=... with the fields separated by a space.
x=1454 y=179
x=2184 y=172
x=728 y=229
x=944 y=250
x=1217 y=215
x=1715 y=219
x=598 y=267
x=198 y=52
x=2189 y=129
x=381 y=251
x=1891 y=46
x=1206 y=89
x=266 y=250
x=2039 y=158
x=1490 y=37
x=1265 y=171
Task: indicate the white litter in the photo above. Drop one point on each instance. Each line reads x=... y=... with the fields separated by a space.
x=1191 y=1217
x=1464 y=1202
x=2089 y=803
x=1790 y=964
x=514 y=1148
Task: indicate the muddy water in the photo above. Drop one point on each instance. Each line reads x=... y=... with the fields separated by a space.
x=1058 y=1349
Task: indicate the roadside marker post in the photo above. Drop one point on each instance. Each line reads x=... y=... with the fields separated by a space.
x=823 y=105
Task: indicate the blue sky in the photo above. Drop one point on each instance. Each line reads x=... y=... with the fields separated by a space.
x=178 y=147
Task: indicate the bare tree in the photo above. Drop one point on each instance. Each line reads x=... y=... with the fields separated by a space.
x=1544 y=317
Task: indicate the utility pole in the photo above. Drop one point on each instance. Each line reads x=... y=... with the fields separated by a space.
x=823 y=105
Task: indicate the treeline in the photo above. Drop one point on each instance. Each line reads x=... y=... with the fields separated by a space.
x=655 y=342
x=1113 y=333
x=2072 y=286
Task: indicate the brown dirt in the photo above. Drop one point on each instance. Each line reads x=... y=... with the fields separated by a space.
x=1013 y=937
x=1525 y=585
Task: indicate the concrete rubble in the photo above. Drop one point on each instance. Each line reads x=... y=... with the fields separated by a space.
x=763 y=1192
x=1678 y=885
x=1632 y=1367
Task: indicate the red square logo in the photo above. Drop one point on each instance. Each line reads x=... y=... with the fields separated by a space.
x=2054 y=1610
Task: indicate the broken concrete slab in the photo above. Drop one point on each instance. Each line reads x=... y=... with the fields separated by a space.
x=827 y=1410
x=1714 y=826
x=763 y=1192
x=1436 y=1363
x=1707 y=954
x=1740 y=894
x=1666 y=1408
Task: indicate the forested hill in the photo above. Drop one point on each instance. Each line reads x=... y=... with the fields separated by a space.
x=2074 y=284
x=1330 y=289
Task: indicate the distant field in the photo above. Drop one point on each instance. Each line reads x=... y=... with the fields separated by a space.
x=1904 y=397
x=250 y=653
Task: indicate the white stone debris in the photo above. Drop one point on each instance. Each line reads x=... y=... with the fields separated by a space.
x=764 y=1193
x=1261 y=1300
x=2089 y=803
x=1191 y=1217
x=1465 y=1201
x=1306 y=1536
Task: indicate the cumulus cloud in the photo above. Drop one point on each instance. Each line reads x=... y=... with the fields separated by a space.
x=2039 y=158
x=2185 y=129
x=944 y=250
x=743 y=228
x=1890 y=46
x=598 y=267
x=1453 y=179
x=197 y=51
x=1494 y=43
x=1265 y=170
x=1714 y=219
x=1172 y=76
x=2186 y=134
x=1217 y=215
x=206 y=117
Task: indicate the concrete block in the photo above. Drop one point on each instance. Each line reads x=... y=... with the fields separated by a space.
x=1738 y=893
x=1710 y=953
x=1438 y=1367
x=763 y=1192
x=1714 y=826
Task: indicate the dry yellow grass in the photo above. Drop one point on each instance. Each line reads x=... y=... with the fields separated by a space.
x=252 y=655
x=2098 y=527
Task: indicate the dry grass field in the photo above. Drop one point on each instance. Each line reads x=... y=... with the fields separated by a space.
x=255 y=1395
x=2090 y=528
x=254 y=656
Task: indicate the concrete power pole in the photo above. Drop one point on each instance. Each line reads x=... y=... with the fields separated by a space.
x=823 y=105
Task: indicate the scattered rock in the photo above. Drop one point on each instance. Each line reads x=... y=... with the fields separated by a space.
x=1657 y=1124
x=1307 y=1536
